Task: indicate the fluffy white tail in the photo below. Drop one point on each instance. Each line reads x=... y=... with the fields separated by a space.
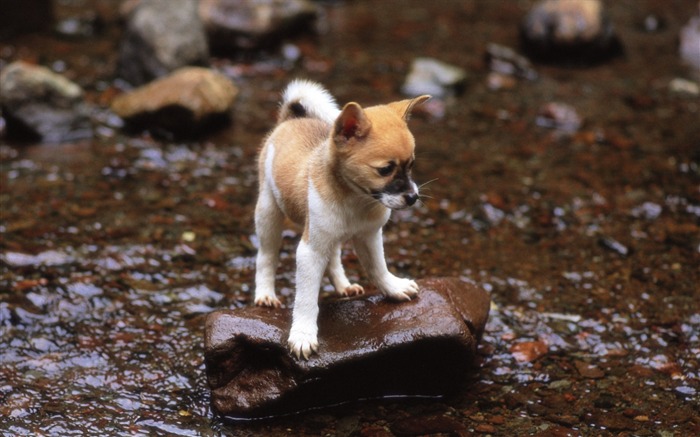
x=303 y=98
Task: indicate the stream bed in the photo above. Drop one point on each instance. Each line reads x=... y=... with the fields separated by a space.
x=113 y=250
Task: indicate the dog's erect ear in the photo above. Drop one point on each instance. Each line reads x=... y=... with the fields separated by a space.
x=404 y=107
x=351 y=123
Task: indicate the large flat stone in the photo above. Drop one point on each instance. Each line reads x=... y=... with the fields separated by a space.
x=369 y=348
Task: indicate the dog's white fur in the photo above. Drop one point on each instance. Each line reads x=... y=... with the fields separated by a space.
x=323 y=168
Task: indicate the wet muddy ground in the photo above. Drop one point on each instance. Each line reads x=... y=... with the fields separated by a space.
x=113 y=250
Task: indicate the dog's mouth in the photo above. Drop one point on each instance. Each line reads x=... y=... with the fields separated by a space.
x=396 y=201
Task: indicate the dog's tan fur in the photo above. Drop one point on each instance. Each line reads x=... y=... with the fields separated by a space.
x=331 y=180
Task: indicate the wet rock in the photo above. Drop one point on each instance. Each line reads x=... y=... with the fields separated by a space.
x=161 y=36
x=40 y=105
x=233 y=25
x=569 y=31
x=369 y=347
x=433 y=77
x=184 y=104
x=24 y=17
x=690 y=42
x=505 y=61
x=559 y=116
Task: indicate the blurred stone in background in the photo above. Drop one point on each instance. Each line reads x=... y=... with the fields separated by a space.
x=161 y=36
x=234 y=25
x=569 y=31
x=40 y=105
x=182 y=104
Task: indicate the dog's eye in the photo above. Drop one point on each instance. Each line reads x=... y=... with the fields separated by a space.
x=386 y=170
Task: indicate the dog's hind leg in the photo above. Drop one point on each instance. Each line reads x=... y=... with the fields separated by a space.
x=337 y=274
x=269 y=220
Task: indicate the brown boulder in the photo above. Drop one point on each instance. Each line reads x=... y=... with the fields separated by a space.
x=183 y=104
x=369 y=348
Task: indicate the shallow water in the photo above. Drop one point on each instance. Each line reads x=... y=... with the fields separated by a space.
x=114 y=250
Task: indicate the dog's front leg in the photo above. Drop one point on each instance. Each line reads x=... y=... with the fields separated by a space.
x=312 y=259
x=370 y=251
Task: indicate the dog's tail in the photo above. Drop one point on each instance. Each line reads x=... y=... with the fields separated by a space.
x=305 y=99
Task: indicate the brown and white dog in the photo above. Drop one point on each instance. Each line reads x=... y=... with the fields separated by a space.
x=337 y=174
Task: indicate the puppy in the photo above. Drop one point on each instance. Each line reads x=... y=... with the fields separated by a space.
x=337 y=174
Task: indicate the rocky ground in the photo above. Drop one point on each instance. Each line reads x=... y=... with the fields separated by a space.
x=569 y=191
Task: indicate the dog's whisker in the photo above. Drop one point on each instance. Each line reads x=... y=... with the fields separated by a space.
x=421 y=186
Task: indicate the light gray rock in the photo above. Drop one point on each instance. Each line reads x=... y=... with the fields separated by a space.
x=433 y=77
x=40 y=105
x=690 y=42
x=161 y=36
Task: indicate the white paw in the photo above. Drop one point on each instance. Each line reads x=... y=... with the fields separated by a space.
x=400 y=289
x=267 y=300
x=302 y=344
x=352 y=290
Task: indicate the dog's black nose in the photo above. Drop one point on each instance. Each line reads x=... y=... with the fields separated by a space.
x=410 y=198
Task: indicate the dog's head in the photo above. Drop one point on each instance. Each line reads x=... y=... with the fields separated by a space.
x=375 y=151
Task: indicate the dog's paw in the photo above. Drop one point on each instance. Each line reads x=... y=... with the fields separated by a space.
x=268 y=301
x=401 y=290
x=302 y=344
x=352 y=290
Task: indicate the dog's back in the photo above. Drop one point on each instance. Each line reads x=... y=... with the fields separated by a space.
x=306 y=115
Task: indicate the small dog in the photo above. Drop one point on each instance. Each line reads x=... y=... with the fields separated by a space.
x=337 y=174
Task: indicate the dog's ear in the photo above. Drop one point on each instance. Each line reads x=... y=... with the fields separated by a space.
x=351 y=123
x=404 y=107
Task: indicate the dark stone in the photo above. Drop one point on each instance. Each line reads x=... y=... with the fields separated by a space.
x=161 y=36
x=235 y=25
x=575 y=32
x=26 y=16
x=369 y=348
x=40 y=105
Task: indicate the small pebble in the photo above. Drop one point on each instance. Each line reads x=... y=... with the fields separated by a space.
x=684 y=86
x=614 y=246
x=430 y=76
x=506 y=61
x=559 y=116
